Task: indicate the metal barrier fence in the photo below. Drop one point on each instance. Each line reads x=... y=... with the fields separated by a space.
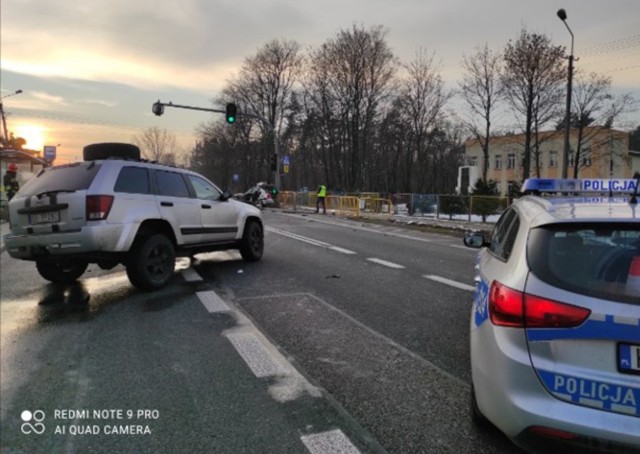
x=418 y=205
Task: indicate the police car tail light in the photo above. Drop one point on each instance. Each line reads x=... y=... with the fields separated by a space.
x=511 y=308
x=544 y=313
x=505 y=306
x=98 y=207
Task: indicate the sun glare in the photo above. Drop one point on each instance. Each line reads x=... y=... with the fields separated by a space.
x=33 y=134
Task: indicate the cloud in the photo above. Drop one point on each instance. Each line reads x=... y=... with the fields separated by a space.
x=49 y=99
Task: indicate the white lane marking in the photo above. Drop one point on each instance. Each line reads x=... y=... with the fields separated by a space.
x=257 y=357
x=212 y=302
x=452 y=283
x=331 y=442
x=311 y=241
x=385 y=263
x=191 y=275
x=342 y=250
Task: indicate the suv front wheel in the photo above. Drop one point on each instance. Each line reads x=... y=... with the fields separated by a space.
x=61 y=271
x=252 y=243
x=151 y=262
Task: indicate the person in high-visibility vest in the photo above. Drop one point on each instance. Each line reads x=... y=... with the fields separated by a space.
x=10 y=181
x=322 y=193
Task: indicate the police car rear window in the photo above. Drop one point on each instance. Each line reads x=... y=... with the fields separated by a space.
x=65 y=178
x=600 y=260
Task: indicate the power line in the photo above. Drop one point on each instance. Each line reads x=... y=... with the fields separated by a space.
x=612 y=46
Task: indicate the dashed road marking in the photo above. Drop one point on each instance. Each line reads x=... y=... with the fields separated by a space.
x=212 y=302
x=342 y=250
x=331 y=442
x=385 y=263
x=191 y=275
x=452 y=283
x=257 y=357
x=308 y=240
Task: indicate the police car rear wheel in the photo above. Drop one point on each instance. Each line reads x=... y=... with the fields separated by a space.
x=61 y=271
x=478 y=418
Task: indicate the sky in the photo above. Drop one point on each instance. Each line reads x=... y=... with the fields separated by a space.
x=90 y=70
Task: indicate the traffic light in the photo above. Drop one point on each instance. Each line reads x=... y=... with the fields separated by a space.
x=231 y=112
x=274 y=162
x=157 y=108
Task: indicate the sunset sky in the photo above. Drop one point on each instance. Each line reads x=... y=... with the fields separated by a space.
x=91 y=70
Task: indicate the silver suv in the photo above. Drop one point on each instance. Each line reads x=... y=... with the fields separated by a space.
x=115 y=208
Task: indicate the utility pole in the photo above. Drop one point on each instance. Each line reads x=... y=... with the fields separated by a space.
x=562 y=14
x=5 y=139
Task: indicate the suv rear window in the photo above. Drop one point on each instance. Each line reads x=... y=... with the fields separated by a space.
x=66 y=178
x=589 y=259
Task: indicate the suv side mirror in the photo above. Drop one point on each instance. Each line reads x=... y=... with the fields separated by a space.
x=226 y=195
x=475 y=240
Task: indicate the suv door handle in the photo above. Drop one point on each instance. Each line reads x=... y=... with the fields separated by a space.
x=166 y=204
x=206 y=207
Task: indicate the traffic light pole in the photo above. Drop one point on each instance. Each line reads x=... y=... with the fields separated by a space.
x=158 y=109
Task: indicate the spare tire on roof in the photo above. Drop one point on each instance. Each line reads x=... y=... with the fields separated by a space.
x=108 y=150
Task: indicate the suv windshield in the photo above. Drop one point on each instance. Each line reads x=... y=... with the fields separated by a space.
x=590 y=259
x=67 y=178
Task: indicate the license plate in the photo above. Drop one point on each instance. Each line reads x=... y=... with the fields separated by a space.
x=44 y=218
x=629 y=358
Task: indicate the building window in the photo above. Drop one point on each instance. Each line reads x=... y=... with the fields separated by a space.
x=553 y=159
x=586 y=161
x=473 y=161
x=498 y=161
x=511 y=161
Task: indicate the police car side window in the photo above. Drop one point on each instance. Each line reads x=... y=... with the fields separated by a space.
x=504 y=234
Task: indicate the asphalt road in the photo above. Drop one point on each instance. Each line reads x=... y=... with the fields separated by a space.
x=346 y=337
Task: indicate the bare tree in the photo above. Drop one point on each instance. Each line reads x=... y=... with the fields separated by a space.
x=481 y=90
x=350 y=77
x=532 y=80
x=424 y=96
x=157 y=144
x=594 y=105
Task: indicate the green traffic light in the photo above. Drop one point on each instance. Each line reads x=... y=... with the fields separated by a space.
x=231 y=111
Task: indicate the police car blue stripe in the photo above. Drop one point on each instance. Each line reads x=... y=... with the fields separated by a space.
x=591 y=329
x=593 y=393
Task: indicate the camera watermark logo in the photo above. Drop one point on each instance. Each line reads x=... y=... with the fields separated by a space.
x=32 y=422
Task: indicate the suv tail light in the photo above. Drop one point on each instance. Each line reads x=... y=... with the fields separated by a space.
x=98 y=207
x=511 y=308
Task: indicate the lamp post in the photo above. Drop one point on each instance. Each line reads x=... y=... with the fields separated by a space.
x=562 y=14
x=5 y=140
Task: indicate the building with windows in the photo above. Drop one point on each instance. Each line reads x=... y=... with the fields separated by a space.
x=604 y=153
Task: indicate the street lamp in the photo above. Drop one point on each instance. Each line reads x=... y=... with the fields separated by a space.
x=4 y=119
x=562 y=14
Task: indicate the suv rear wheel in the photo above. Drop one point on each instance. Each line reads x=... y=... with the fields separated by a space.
x=151 y=262
x=61 y=271
x=252 y=244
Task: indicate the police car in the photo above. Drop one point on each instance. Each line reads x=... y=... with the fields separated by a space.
x=555 y=325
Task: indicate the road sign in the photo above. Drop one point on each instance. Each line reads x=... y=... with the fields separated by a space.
x=235 y=178
x=285 y=168
x=286 y=161
x=49 y=152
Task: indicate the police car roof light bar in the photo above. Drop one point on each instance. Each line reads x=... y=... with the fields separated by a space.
x=576 y=185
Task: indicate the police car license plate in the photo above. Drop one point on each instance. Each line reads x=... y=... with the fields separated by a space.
x=629 y=358
x=44 y=218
